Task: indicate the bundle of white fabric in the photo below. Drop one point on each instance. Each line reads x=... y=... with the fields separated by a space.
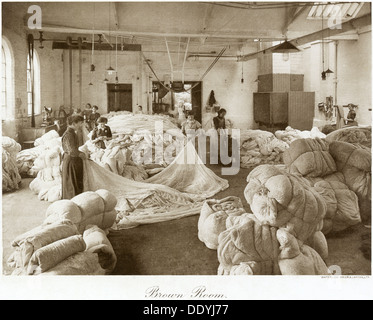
x=11 y=177
x=70 y=241
x=260 y=147
x=129 y=123
x=88 y=208
x=354 y=135
x=212 y=220
x=123 y=155
x=116 y=158
x=289 y=134
x=47 y=184
x=31 y=161
x=313 y=160
x=287 y=218
x=58 y=249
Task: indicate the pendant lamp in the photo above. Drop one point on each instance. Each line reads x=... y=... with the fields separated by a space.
x=286 y=47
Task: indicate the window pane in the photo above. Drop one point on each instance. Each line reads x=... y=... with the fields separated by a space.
x=29 y=97
x=3 y=112
x=28 y=82
x=3 y=99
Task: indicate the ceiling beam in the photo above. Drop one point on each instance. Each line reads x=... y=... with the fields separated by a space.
x=207 y=17
x=291 y=15
x=351 y=25
x=264 y=35
x=103 y=46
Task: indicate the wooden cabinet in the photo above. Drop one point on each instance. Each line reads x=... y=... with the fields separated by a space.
x=280 y=82
x=295 y=109
x=301 y=110
x=271 y=108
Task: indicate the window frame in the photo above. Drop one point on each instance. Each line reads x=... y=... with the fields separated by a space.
x=36 y=87
x=7 y=110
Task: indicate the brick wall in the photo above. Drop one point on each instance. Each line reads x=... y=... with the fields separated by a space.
x=51 y=72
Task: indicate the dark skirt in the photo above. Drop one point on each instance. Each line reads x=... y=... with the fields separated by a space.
x=72 y=176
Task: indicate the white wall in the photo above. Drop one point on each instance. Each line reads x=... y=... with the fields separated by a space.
x=355 y=75
x=224 y=79
x=353 y=72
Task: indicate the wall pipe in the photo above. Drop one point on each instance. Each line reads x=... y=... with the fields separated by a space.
x=336 y=74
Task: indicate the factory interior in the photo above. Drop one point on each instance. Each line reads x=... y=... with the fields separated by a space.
x=186 y=138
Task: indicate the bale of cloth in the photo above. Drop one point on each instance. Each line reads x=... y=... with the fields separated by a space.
x=309 y=158
x=313 y=160
x=28 y=243
x=354 y=135
x=212 y=220
x=70 y=241
x=51 y=255
x=354 y=161
x=47 y=184
x=289 y=134
x=281 y=199
x=89 y=208
x=82 y=263
x=87 y=254
x=124 y=154
x=31 y=161
x=260 y=147
x=248 y=247
x=48 y=139
x=10 y=174
x=97 y=242
x=342 y=206
x=283 y=235
x=296 y=258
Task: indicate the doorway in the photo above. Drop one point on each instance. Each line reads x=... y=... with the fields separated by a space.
x=168 y=102
x=119 y=97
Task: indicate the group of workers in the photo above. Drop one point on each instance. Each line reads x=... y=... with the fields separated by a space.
x=72 y=164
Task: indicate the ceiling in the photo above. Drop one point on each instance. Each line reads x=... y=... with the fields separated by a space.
x=199 y=27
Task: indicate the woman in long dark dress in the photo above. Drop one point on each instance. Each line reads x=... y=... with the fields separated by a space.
x=220 y=127
x=72 y=164
x=219 y=121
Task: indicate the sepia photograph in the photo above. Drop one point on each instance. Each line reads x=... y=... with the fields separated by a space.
x=186 y=149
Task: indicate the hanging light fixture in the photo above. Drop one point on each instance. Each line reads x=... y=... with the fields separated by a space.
x=116 y=60
x=328 y=71
x=242 y=79
x=110 y=70
x=286 y=47
x=92 y=67
x=323 y=73
x=105 y=79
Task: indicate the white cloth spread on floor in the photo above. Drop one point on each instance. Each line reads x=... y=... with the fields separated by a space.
x=141 y=203
x=188 y=174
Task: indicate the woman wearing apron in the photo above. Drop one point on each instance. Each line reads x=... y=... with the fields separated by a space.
x=72 y=164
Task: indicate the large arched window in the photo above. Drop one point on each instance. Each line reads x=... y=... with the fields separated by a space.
x=33 y=84
x=7 y=81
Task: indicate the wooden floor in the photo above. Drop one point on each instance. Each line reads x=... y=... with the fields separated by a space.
x=171 y=248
